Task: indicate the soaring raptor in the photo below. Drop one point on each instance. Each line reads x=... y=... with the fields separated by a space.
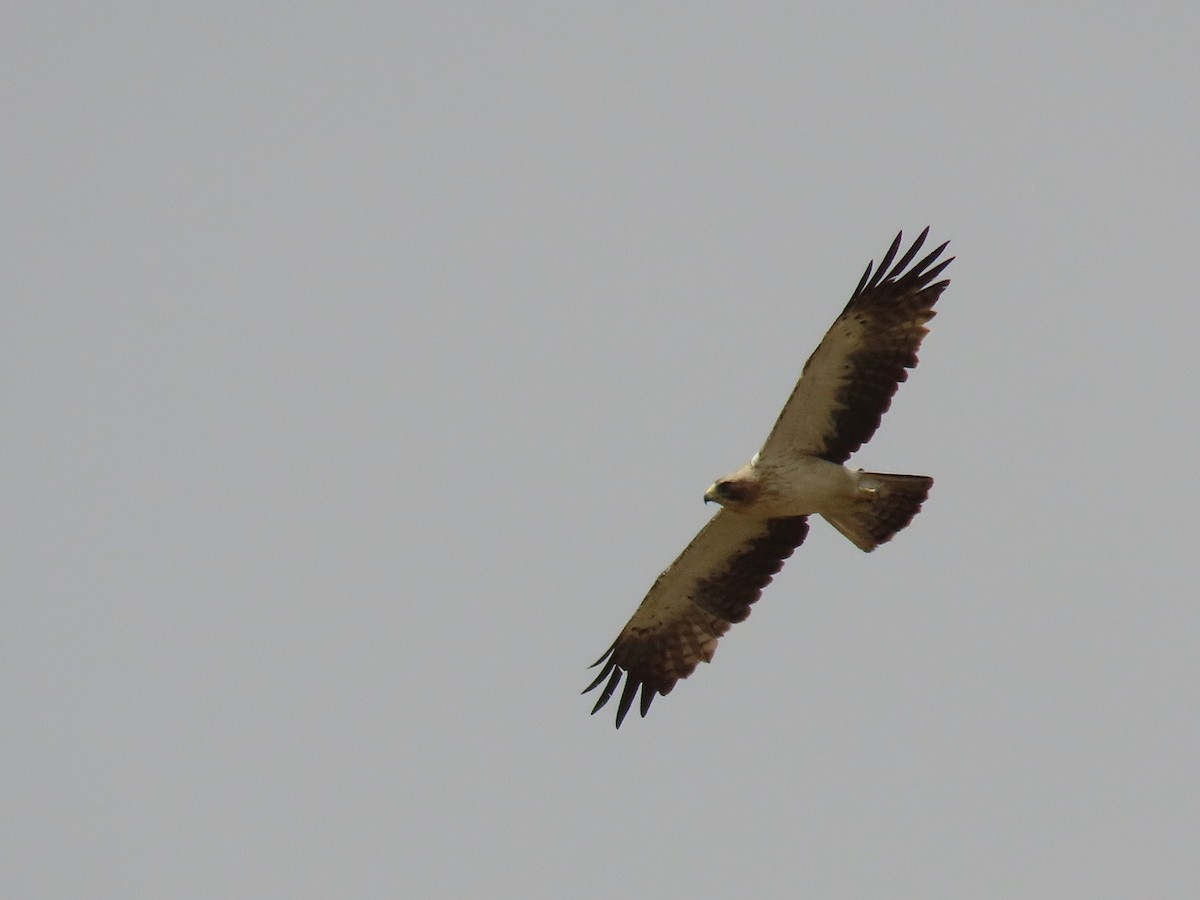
x=844 y=389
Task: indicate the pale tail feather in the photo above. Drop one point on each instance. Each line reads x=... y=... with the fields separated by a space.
x=880 y=513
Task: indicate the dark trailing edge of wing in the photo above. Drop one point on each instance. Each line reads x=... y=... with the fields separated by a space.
x=898 y=303
x=654 y=661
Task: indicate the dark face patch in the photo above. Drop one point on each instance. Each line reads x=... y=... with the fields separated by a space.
x=739 y=492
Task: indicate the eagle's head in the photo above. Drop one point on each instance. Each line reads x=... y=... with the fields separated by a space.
x=734 y=492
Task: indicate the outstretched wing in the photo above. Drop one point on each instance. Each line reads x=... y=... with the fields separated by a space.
x=709 y=587
x=848 y=383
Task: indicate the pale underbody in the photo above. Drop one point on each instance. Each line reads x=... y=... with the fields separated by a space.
x=802 y=487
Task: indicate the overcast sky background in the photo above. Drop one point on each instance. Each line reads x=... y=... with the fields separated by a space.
x=363 y=364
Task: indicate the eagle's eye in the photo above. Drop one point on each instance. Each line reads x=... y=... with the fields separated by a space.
x=727 y=491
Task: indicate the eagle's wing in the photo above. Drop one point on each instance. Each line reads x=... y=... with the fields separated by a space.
x=849 y=381
x=709 y=587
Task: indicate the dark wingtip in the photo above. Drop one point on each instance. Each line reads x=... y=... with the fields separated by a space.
x=890 y=255
x=603 y=674
x=605 y=655
x=627 y=696
x=610 y=676
x=605 y=694
x=912 y=251
x=937 y=270
x=647 y=699
x=862 y=282
x=599 y=678
x=874 y=275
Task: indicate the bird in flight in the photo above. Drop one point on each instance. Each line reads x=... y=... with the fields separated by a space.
x=844 y=389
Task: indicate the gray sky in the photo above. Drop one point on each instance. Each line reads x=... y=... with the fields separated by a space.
x=365 y=363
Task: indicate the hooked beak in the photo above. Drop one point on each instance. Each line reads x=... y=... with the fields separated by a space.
x=710 y=496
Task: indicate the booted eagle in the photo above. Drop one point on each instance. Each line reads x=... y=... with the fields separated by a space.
x=844 y=389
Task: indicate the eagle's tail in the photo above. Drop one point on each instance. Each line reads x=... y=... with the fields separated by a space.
x=886 y=503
